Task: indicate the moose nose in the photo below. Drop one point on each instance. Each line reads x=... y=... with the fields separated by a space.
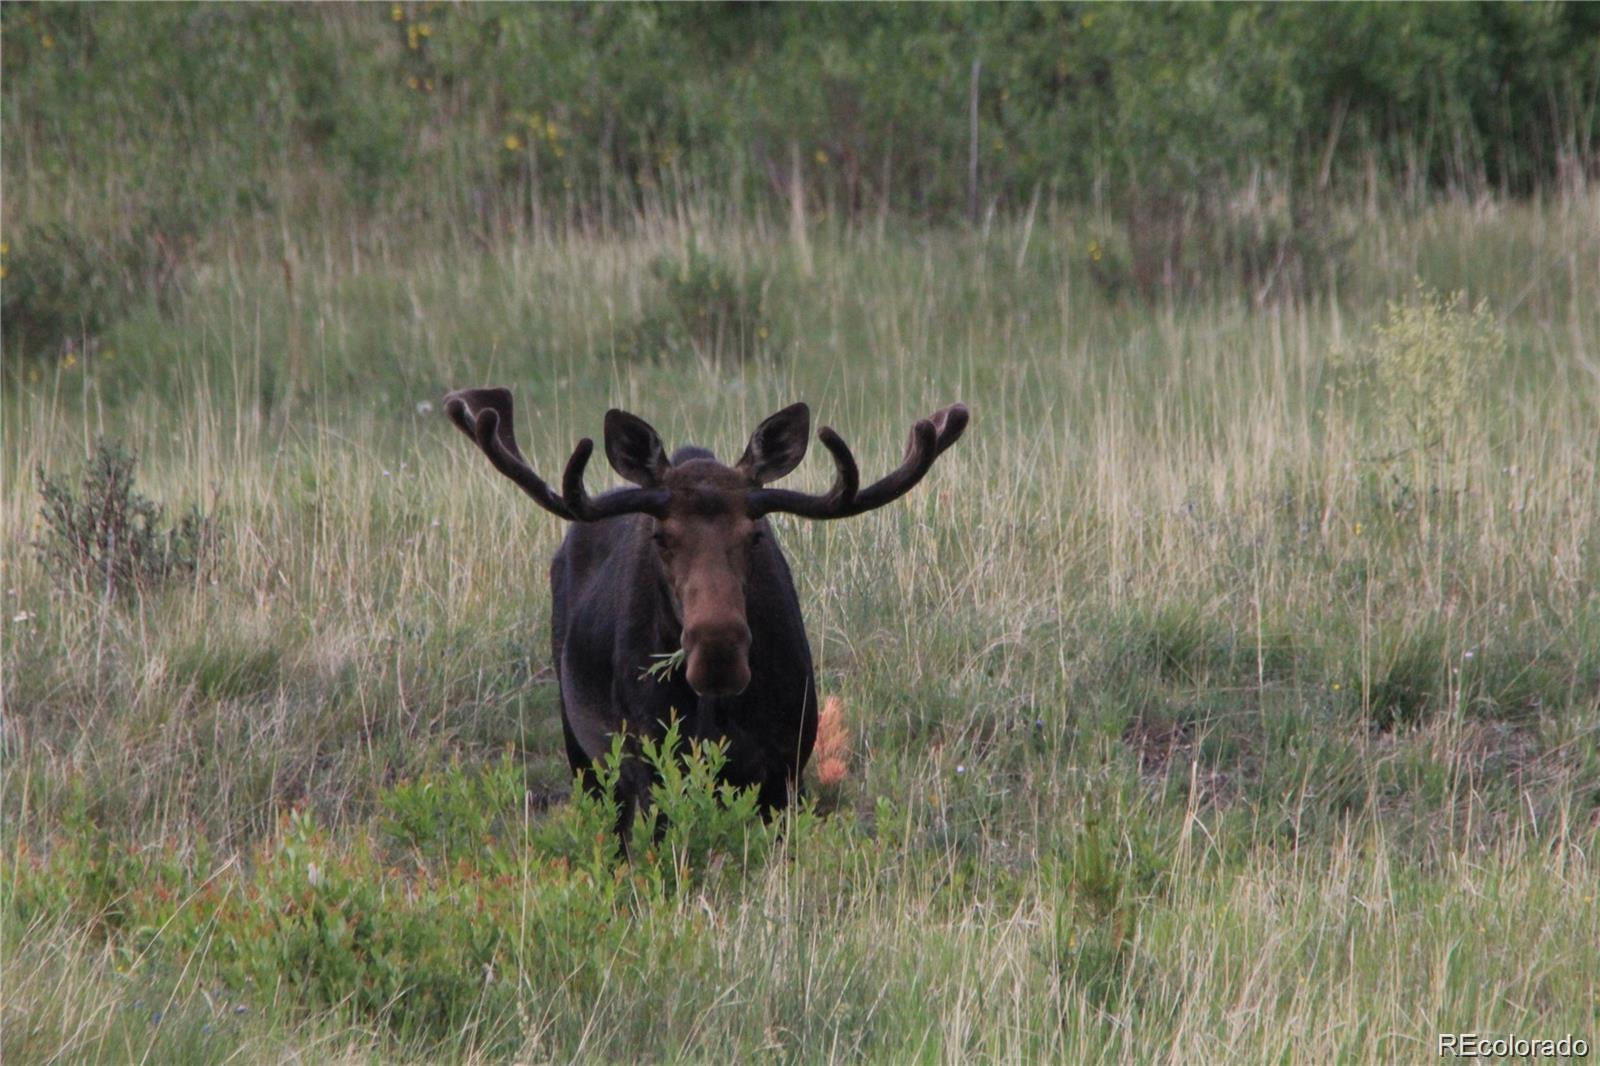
x=718 y=657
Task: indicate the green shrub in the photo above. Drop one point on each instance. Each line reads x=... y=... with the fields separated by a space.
x=1426 y=369
x=705 y=309
x=107 y=538
x=452 y=814
x=698 y=822
x=65 y=284
x=424 y=943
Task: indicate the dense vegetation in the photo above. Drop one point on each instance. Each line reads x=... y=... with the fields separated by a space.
x=1207 y=132
x=1231 y=691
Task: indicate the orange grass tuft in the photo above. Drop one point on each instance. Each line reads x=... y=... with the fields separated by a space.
x=833 y=743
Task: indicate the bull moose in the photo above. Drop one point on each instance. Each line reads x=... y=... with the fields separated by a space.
x=687 y=560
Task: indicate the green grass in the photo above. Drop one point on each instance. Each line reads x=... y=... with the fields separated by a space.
x=1185 y=725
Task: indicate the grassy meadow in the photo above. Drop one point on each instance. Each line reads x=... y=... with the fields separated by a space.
x=1230 y=691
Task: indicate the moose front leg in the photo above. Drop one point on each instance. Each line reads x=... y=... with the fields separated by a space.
x=634 y=781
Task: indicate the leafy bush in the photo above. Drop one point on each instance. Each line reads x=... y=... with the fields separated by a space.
x=451 y=815
x=64 y=284
x=705 y=309
x=107 y=538
x=697 y=823
x=429 y=940
x=1430 y=363
x=1426 y=369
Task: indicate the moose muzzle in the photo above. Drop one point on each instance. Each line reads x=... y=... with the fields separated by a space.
x=718 y=657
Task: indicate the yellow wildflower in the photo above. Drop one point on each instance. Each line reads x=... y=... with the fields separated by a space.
x=822 y=157
x=4 y=273
x=48 y=42
x=397 y=13
x=513 y=143
x=5 y=247
x=412 y=81
x=427 y=84
x=69 y=361
x=424 y=30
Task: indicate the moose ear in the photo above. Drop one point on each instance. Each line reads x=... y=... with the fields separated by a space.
x=777 y=445
x=634 y=449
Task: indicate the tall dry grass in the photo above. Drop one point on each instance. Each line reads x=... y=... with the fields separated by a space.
x=1185 y=723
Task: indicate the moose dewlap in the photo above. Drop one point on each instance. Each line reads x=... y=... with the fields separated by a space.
x=687 y=562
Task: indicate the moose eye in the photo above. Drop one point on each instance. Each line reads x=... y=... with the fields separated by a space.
x=756 y=536
x=660 y=538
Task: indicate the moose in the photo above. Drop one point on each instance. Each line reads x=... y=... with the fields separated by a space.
x=687 y=560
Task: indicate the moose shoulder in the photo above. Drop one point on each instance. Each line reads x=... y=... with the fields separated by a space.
x=686 y=560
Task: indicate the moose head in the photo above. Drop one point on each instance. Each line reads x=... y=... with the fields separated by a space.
x=707 y=520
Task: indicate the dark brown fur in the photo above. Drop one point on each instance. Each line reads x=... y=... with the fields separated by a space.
x=688 y=560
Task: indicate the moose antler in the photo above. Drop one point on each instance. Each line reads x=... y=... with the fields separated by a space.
x=485 y=415
x=585 y=508
x=929 y=437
